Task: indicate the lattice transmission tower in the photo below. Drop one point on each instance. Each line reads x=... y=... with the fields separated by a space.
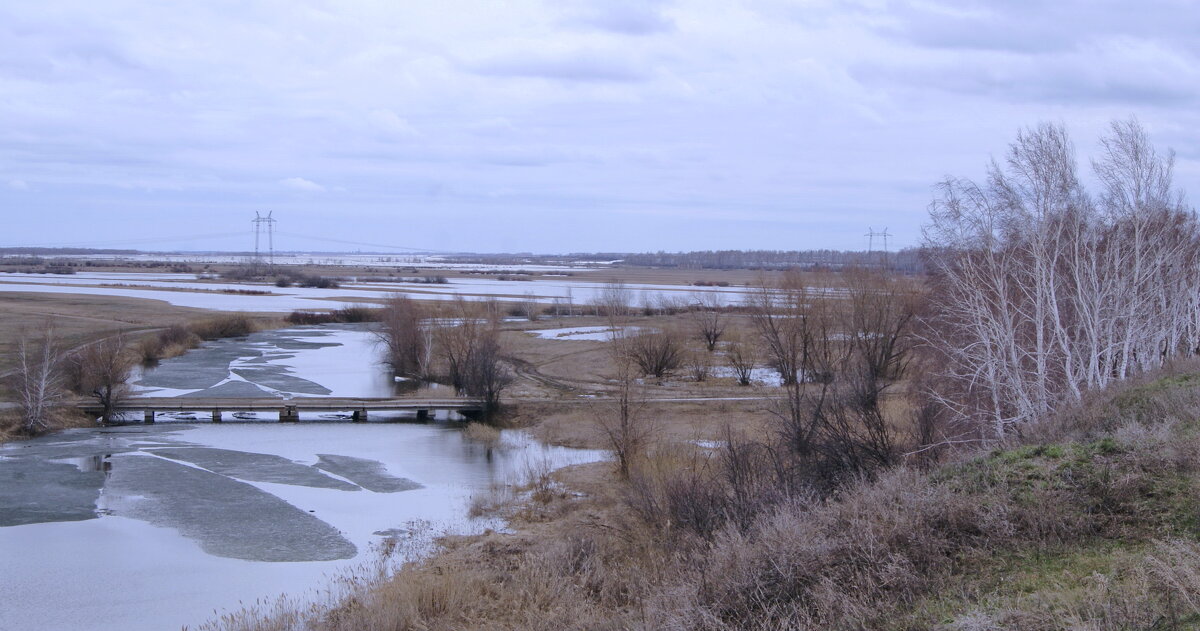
x=267 y=222
x=871 y=235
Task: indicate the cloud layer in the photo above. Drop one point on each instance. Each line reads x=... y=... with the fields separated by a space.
x=554 y=126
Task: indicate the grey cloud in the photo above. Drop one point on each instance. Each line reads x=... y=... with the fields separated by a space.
x=1035 y=26
x=464 y=123
x=1122 y=72
x=584 y=66
x=627 y=18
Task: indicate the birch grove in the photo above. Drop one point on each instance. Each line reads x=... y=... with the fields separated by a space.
x=1043 y=291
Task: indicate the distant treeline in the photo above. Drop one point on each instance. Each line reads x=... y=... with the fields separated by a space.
x=907 y=260
x=59 y=251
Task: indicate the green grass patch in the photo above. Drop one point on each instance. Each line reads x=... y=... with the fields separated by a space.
x=1142 y=399
x=1021 y=579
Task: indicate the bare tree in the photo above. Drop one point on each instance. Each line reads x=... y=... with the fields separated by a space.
x=469 y=345
x=881 y=312
x=38 y=380
x=406 y=336
x=698 y=366
x=742 y=358
x=707 y=319
x=614 y=301
x=654 y=352
x=529 y=307
x=626 y=430
x=797 y=323
x=101 y=370
x=456 y=338
x=486 y=375
x=1042 y=292
x=667 y=304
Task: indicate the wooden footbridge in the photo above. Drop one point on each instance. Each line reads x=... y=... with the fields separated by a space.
x=289 y=410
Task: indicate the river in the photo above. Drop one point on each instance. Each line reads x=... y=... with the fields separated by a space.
x=158 y=526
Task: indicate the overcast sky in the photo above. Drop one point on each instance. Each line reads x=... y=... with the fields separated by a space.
x=555 y=126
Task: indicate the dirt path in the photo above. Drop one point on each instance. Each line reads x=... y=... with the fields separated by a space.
x=528 y=370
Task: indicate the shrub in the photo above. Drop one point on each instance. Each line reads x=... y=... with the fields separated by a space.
x=655 y=353
x=237 y=325
x=311 y=317
x=356 y=314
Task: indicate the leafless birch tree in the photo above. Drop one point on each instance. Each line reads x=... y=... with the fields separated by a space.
x=38 y=380
x=1042 y=292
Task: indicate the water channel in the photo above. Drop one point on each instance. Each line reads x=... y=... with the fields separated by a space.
x=159 y=526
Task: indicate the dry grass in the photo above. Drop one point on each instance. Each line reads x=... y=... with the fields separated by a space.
x=79 y=319
x=675 y=422
x=486 y=435
x=1094 y=530
x=177 y=339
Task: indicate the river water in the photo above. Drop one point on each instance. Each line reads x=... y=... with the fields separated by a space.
x=164 y=525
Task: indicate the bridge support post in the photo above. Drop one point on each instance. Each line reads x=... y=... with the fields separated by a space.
x=422 y=415
x=289 y=414
x=359 y=416
x=148 y=417
x=216 y=416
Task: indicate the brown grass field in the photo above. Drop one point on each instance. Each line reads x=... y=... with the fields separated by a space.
x=78 y=319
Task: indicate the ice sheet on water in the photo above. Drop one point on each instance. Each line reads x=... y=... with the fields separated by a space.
x=226 y=517
x=372 y=475
x=254 y=467
x=588 y=333
x=761 y=376
x=331 y=360
x=35 y=492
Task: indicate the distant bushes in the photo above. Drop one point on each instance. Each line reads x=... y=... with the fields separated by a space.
x=178 y=339
x=235 y=292
x=418 y=280
x=306 y=280
x=46 y=269
x=311 y=317
x=237 y=325
x=345 y=315
x=282 y=278
x=172 y=341
x=242 y=273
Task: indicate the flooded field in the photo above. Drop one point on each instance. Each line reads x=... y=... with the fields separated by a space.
x=184 y=290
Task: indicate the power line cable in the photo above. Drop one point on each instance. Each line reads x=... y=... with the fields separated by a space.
x=359 y=243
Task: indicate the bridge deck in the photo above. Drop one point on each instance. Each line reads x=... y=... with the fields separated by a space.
x=303 y=403
x=294 y=405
